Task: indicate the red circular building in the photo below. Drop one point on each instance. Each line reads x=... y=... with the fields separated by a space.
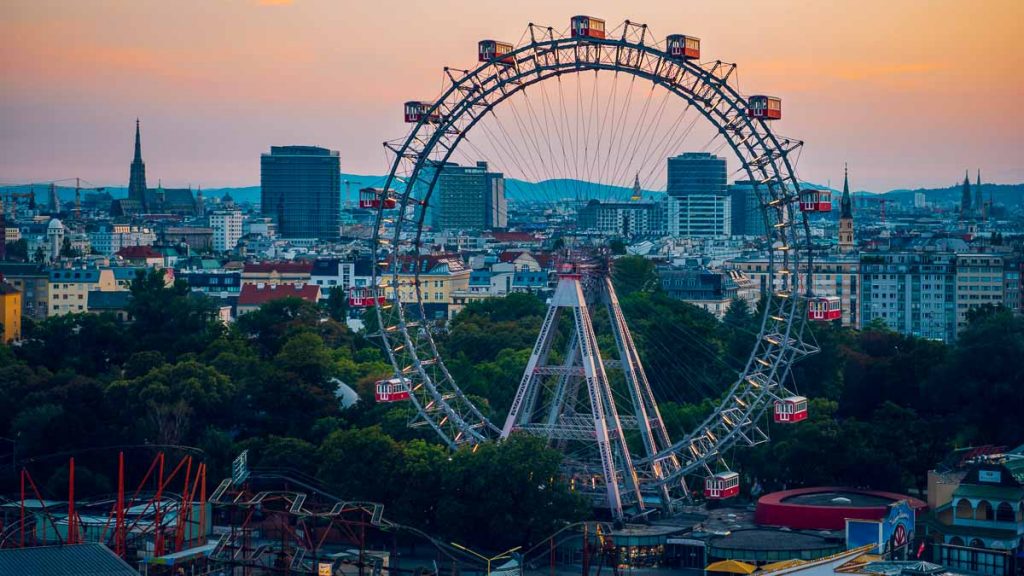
x=826 y=507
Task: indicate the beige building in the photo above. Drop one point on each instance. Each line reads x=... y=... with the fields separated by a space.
x=440 y=277
x=297 y=272
x=979 y=281
x=832 y=276
x=68 y=290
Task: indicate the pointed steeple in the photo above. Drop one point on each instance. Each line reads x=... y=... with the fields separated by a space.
x=137 y=176
x=979 y=202
x=965 y=196
x=637 y=193
x=846 y=205
x=138 y=142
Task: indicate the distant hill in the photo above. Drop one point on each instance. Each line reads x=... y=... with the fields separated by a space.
x=546 y=191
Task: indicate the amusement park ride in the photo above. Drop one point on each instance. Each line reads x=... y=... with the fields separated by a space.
x=567 y=397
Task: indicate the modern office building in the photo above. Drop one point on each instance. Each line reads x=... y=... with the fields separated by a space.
x=469 y=198
x=301 y=191
x=700 y=173
x=698 y=204
x=747 y=212
x=698 y=216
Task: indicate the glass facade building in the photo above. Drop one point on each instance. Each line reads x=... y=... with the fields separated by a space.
x=698 y=204
x=301 y=191
x=469 y=198
x=696 y=173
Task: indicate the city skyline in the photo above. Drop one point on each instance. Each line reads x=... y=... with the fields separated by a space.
x=314 y=73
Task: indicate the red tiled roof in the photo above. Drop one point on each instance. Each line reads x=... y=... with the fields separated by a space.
x=135 y=252
x=514 y=237
x=544 y=259
x=291 y=267
x=510 y=255
x=257 y=294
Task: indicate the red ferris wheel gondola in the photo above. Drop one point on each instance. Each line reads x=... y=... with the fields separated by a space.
x=815 y=201
x=721 y=486
x=372 y=198
x=495 y=51
x=417 y=111
x=791 y=410
x=824 y=308
x=682 y=47
x=391 y=390
x=365 y=297
x=587 y=27
x=764 y=107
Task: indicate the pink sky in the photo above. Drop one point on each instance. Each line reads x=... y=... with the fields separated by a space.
x=909 y=92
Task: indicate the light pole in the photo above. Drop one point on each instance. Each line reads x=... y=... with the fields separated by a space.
x=501 y=556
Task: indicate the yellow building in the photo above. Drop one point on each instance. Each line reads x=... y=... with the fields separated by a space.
x=440 y=276
x=32 y=280
x=69 y=288
x=10 y=312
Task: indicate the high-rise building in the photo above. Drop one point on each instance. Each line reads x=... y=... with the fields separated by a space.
x=698 y=204
x=846 y=238
x=747 y=213
x=137 y=176
x=698 y=216
x=696 y=173
x=301 y=191
x=227 y=229
x=469 y=198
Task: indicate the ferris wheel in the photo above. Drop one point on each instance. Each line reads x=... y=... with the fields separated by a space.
x=538 y=108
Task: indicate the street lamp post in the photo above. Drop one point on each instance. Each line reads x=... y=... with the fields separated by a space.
x=501 y=556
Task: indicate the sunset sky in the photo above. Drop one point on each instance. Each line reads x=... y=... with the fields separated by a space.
x=910 y=93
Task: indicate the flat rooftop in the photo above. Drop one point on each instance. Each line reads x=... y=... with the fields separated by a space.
x=838 y=498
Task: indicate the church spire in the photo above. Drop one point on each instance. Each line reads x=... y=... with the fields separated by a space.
x=846 y=205
x=137 y=176
x=637 y=194
x=138 y=142
x=979 y=202
x=965 y=196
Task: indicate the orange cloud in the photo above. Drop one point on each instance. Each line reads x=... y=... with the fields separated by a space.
x=275 y=2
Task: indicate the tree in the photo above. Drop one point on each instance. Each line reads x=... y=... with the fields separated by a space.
x=67 y=251
x=632 y=274
x=17 y=251
x=169 y=318
x=39 y=256
x=506 y=494
x=363 y=464
x=336 y=303
x=171 y=397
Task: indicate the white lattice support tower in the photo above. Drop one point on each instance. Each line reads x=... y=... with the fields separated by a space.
x=548 y=410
